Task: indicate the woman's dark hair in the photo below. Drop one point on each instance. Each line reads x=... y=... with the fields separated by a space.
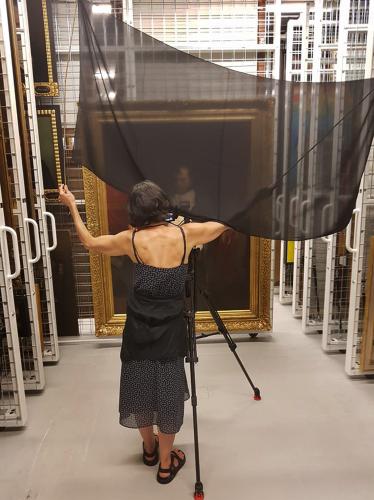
x=147 y=204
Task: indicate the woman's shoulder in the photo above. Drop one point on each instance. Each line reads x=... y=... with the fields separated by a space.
x=192 y=227
x=199 y=233
x=123 y=239
x=203 y=227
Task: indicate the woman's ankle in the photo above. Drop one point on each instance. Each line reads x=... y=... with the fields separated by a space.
x=152 y=447
x=165 y=463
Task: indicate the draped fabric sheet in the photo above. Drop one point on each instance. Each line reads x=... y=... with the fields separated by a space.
x=271 y=158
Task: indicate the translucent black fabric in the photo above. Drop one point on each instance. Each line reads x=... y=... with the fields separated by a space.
x=271 y=158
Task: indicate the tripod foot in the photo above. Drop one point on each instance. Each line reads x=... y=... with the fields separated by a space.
x=257 y=396
x=199 y=492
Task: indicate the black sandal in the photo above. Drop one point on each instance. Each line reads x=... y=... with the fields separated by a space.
x=147 y=457
x=172 y=470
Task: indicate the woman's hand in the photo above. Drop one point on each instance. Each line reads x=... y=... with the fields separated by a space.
x=66 y=197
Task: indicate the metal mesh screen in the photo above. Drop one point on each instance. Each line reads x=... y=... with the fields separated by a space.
x=7 y=396
x=316 y=286
x=366 y=230
x=342 y=264
x=220 y=31
x=286 y=274
x=12 y=398
x=298 y=280
x=344 y=57
x=238 y=34
x=28 y=326
x=66 y=37
x=42 y=268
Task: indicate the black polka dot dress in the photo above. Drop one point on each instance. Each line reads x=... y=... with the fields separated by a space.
x=153 y=392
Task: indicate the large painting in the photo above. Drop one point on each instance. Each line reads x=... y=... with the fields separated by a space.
x=235 y=270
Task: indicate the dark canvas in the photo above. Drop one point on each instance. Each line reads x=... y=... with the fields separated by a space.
x=271 y=158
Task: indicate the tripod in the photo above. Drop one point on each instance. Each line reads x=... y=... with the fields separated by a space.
x=192 y=358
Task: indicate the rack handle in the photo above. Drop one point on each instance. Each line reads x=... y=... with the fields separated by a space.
x=38 y=252
x=303 y=205
x=293 y=204
x=5 y=252
x=278 y=206
x=326 y=239
x=348 y=231
x=325 y=210
x=54 y=232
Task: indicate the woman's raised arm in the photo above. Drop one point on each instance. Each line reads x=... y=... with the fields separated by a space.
x=199 y=233
x=114 y=245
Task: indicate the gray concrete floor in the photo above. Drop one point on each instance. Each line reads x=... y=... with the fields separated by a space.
x=310 y=438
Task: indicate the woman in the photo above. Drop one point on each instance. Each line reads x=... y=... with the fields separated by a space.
x=153 y=382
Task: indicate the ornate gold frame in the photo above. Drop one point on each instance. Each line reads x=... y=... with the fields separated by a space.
x=56 y=149
x=51 y=85
x=255 y=318
x=258 y=315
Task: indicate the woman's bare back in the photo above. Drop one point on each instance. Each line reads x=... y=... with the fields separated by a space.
x=159 y=246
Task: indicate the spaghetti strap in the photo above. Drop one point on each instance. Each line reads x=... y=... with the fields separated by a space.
x=184 y=244
x=138 y=259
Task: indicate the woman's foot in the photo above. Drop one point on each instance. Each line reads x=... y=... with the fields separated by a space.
x=169 y=469
x=150 y=456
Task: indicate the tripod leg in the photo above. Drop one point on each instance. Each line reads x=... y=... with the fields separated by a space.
x=199 y=491
x=192 y=359
x=222 y=329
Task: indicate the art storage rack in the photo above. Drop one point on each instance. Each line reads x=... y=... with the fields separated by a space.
x=13 y=411
x=29 y=331
x=45 y=219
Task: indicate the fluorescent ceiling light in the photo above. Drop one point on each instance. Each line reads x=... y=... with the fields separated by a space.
x=104 y=8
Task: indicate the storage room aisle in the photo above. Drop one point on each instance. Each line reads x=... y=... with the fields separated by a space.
x=309 y=438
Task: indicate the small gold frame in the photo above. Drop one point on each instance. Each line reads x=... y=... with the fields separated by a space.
x=256 y=318
x=50 y=88
x=52 y=114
